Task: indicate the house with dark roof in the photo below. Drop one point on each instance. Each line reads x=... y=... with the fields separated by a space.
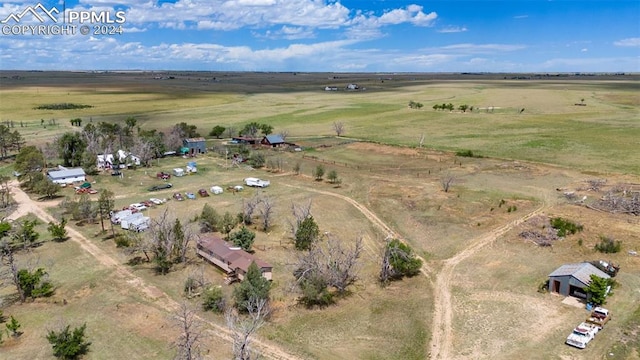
x=273 y=141
x=195 y=145
x=571 y=279
x=66 y=176
x=231 y=259
x=246 y=140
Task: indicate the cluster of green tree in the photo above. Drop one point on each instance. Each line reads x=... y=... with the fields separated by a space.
x=62 y=106
x=598 y=289
x=251 y=129
x=451 y=107
x=398 y=261
x=415 y=105
x=9 y=141
x=318 y=174
x=467 y=153
x=565 y=227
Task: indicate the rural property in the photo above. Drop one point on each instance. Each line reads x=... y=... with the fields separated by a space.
x=319 y=215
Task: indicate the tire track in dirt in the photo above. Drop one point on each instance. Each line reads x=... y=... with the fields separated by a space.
x=371 y=217
x=161 y=299
x=442 y=330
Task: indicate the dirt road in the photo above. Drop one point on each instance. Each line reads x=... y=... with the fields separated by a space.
x=442 y=329
x=27 y=205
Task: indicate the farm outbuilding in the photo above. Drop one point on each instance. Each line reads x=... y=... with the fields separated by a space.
x=66 y=176
x=195 y=145
x=273 y=141
x=232 y=260
x=571 y=279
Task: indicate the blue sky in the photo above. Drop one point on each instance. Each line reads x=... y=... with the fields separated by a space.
x=327 y=35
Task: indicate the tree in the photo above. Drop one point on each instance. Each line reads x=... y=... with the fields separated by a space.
x=318 y=172
x=106 y=202
x=254 y=286
x=14 y=327
x=300 y=212
x=463 y=107
x=143 y=149
x=29 y=160
x=168 y=241
x=297 y=167
x=398 y=261
x=446 y=181
x=250 y=129
x=189 y=342
x=25 y=234
x=71 y=147
x=331 y=265
x=217 y=131
x=266 y=129
x=213 y=299
x=58 y=231
x=307 y=234
x=333 y=177
x=243 y=238
x=242 y=331
x=415 y=105
x=248 y=208
x=33 y=285
x=597 y=289
x=266 y=211
x=227 y=223
x=46 y=188
x=209 y=219
x=338 y=128
x=69 y=344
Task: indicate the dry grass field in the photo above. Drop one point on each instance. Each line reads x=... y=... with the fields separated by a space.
x=477 y=297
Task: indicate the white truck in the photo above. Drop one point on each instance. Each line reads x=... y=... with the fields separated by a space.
x=255 y=182
x=582 y=335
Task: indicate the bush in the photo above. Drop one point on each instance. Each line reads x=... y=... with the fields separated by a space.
x=213 y=300
x=608 y=246
x=564 y=226
x=122 y=241
x=69 y=344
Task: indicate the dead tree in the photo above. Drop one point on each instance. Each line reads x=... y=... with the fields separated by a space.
x=266 y=211
x=243 y=329
x=337 y=266
x=248 y=208
x=300 y=212
x=338 y=127
x=189 y=342
x=447 y=181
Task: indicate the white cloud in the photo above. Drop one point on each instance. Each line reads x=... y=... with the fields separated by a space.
x=629 y=42
x=452 y=29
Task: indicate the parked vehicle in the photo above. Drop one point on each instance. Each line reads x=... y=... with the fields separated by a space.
x=116 y=173
x=608 y=267
x=190 y=195
x=160 y=187
x=178 y=172
x=138 y=206
x=163 y=175
x=255 y=182
x=582 y=335
x=178 y=196
x=116 y=217
x=599 y=317
x=203 y=193
x=126 y=222
x=216 y=190
x=157 y=201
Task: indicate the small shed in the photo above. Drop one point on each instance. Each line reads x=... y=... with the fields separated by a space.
x=571 y=279
x=195 y=145
x=67 y=176
x=273 y=141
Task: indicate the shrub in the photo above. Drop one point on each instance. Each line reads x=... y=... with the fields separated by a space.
x=213 y=300
x=608 y=246
x=69 y=344
x=122 y=241
x=564 y=226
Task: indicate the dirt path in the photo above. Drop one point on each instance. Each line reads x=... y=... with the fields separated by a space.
x=370 y=216
x=442 y=329
x=161 y=299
